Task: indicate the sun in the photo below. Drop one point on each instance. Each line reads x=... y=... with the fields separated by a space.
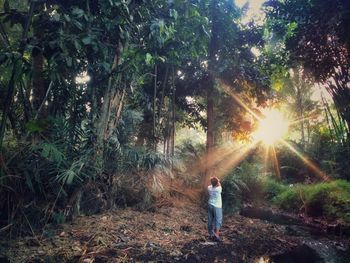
x=272 y=127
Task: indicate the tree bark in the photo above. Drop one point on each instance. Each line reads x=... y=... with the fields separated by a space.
x=117 y=105
x=173 y=118
x=108 y=96
x=164 y=84
x=213 y=47
x=154 y=135
x=300 y=108
x=26 y=103
x=38 y=80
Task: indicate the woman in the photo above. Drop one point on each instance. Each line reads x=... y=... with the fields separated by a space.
x=214 y=208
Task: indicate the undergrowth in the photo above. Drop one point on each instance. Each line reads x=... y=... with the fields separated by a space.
x=330 y=200
x=245 y=184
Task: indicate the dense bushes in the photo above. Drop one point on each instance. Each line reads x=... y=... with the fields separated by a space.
x=51 y=180
x=330 y=200
x=241 y=185
x=272 y=188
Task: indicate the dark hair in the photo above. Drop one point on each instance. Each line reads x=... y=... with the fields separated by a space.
x=214 y=181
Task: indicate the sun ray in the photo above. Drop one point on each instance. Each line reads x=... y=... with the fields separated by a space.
x=308 y=162
x=267 y=133
x=296 y=121
x=233 y=160
x=266 y=158
x=271 y=128
x=275 y=162
x=216 y=155
x=239 y=101
x=222 y=160
x=212 y=159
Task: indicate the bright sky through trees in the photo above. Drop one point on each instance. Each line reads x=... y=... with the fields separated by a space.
x=253 y=11
x=272 y=127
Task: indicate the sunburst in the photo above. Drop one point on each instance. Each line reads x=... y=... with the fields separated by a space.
x=272 y=127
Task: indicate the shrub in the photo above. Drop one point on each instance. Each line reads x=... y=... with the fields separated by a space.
x=291 y=199
x=249 y=173
x=272 y=188
x=330 y=200
x=317 y=198
x=231 y=195
x=241 y=184
x=188 y=162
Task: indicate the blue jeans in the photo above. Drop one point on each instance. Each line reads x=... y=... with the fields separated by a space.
x=214 y=219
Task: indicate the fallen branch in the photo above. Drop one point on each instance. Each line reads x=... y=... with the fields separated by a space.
x=5 y=228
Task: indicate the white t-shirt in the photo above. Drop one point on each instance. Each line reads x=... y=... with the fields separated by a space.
x=215 y=196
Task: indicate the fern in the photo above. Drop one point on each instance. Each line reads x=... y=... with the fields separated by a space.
x=50 y=151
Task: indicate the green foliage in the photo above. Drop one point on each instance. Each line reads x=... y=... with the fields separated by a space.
x=292 y=168
x=250 y=175
x=242 y=184
x=272 y=188
x=291 y=199
x=58 y=218
x=333 y=154
x=330 y=200
x=232 y=193
x=301 y=27
x=50 y=152
x=149 y=63
x=188 y=160
x=34 y=127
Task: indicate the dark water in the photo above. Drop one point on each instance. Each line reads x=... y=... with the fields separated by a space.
x=316 y=246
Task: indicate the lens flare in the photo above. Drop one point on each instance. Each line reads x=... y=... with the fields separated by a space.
x=272 y=127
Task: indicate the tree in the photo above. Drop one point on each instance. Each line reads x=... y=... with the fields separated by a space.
x=295 y=92
x=83 y=82
x=316 y=34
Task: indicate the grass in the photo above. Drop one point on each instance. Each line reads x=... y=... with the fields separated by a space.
x=330 y=200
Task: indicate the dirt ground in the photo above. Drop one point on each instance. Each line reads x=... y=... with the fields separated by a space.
x=171 y=234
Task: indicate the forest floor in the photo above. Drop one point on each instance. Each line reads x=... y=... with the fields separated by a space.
x=170 y=234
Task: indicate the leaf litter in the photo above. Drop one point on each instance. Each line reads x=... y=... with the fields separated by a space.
x=174 y=233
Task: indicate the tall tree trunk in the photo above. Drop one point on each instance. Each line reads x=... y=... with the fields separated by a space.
x=26 y=102
x=92 y=85
x=173 y=116
x=168 y=130
x=39 y=110
x=327 y=118
x=210 y=118
x=117 y=105
x=8 y=102
x=109 y=95
x=38 y=80
x=300 y=108
x=154 y=135
x=213 y=47
x=164 y=85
